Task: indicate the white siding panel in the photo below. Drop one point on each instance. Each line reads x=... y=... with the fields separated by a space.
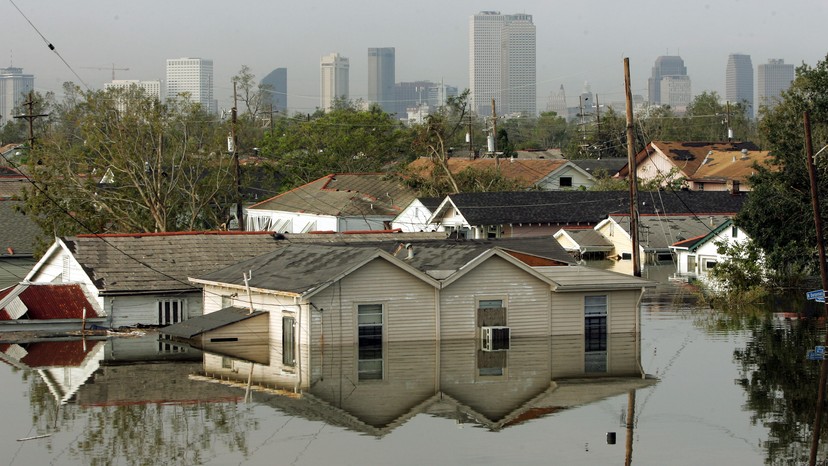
x=526 y=298
x=409 y=304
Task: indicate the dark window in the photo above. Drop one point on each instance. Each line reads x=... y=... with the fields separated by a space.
x=288 y=341
x=566 y=181
x=170 y=311
x=734 y=232
x=595 y=333
x=369 y=335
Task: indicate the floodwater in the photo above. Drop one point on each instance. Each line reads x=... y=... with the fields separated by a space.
x=723 y=388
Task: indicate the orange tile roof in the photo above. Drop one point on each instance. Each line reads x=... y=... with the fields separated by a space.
x=528 y=172
x=729 y=165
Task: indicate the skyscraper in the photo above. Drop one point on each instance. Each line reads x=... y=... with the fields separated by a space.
x=381 y=77
x=192 y=77
x=14 y=85
x=739 y=81
x=502 y=63
x=276 y=82
x=151 y=88
x=334 y=80
x=773 y=78
x=666 y=65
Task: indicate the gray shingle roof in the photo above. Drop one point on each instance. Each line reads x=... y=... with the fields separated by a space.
x=18 y=232
x=164 y=261
x=659 y=232
x=585 y=207
x=344 y=194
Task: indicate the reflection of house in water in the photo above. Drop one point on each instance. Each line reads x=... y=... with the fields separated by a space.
x=116 y=371
x=455 y=379
x=63 y=365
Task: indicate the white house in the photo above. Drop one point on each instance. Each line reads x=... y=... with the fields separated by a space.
x=338 y=202
x=697 y=256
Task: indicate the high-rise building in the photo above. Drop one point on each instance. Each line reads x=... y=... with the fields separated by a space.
x=381 y=77
x=773 y=78
x=151 y=88
x=14 y=85
x=421 y=94
x=739 y=81
x=557 y=103
x=334 y=80
x=502 y=63
x=676 y=92
x=193 y=78
x=276 y=87
x=667 y=65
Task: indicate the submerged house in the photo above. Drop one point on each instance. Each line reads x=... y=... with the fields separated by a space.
x=366 y=299
x=460 y=381
x=141 y=278
x=698 y=255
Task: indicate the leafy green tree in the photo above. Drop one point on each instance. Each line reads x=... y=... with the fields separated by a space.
x=777 y=214
x=119 y=161
x=344 y=139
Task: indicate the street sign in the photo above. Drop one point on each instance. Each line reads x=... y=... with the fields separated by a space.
x=819 y=350
x=813 y=356
x=816 y=294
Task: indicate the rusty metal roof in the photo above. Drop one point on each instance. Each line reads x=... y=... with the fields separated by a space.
x=45 y=301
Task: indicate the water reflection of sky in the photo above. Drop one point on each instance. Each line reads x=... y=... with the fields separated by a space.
x=693 y=415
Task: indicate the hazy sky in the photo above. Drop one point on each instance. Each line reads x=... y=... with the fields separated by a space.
x=577 y=41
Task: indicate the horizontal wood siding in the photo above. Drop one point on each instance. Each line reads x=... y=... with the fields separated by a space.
x=623 y=311
x=623 y=354
x=254 y=330
x=568 y=311
x=133 y=310
x=567 y=356
x=526 y=298
x=222 y=367
x=408 y=304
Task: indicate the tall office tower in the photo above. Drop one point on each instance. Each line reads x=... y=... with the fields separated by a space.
x=381 y=77
x=192 y=77
x=276 y=82
x=410 y=94
x=502 y=63
x=667 y=65
x=14 y=85
x=739 y=81
x=151 y=88
x=439 y=93
x=773 y=78
x=334 y=80
x=557 y=103
x=675 y=92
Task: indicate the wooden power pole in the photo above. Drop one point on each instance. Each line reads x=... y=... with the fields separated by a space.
x=30 y=117
x=237 y=166
x=823 y=369
x=633 y=175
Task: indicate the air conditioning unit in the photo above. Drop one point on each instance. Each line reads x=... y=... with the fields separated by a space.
x=494 y=338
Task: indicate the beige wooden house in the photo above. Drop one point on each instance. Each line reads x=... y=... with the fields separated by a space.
x=365 y=298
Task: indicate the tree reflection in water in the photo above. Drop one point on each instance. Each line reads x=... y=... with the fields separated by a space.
x=781 y=385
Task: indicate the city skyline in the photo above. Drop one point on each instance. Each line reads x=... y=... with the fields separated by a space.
x=575 y=42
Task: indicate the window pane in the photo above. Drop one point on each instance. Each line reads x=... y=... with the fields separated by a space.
x=490 y=303
x=369 y=314
x=595 y=305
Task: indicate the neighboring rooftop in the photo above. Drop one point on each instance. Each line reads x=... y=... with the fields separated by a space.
x=344 y=194
x=585 y=207
x=527 y=172
x=19 y=231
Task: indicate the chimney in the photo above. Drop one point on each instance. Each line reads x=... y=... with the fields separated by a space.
x=734 y=187
x=410 y=250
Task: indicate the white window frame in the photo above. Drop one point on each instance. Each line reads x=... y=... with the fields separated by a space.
x=368 y=368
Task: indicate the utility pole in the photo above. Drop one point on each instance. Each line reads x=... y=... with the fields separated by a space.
x=727 y=122
x=470 y=137
x=633 y=175
x=30 y=117
x=494 y=129
x=239 y=209
x=823 y=272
